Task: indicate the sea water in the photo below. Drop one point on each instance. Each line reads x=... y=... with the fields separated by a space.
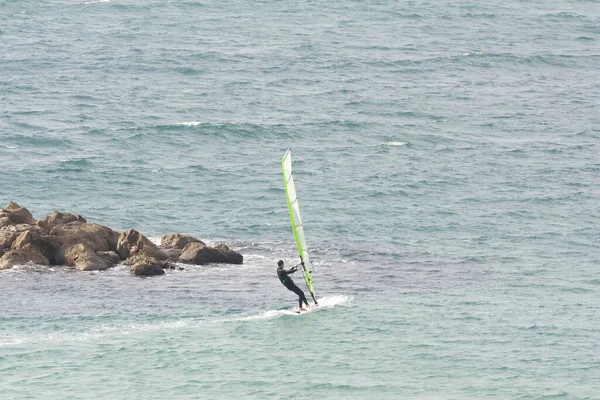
x=446 y=158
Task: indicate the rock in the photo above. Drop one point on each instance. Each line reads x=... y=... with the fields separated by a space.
x=200 y=254
x=17 y=214
x=147 y=266
x=59 y=218
x=134 y=243
x=147 y=270
x=222 y=247
x=142 y=259
x=109 y=256
x=84 y=259
x=173 y=254
x=177 y=241
x=46 y=245
x=22 y=256
x=101 y=238
x=9 y=233
x=7 y=237
x=50 y=247
x=58 y=245
x=12 y=206
x=4 y=220
x=22 y=239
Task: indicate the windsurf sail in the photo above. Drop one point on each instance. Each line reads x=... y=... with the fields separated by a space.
x=297 y=227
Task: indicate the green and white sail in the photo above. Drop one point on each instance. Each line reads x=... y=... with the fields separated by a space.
x=297 y=227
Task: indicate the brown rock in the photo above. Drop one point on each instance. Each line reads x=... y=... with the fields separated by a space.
x=4 y=220
x=109 y=256
x=12 y=206
x=147 y=266
x=23 y=238
x=101 y=238
x=84 y=259
x=58 y=245
x=222 y=247
x=7 y=237
x=22 y=256
x=142 y=259
x=134 y=243
x=59 y=218
x=173 y=254
x=144 y=269
x=200 y=254
x=9 y=233
x=50 y=247
x=45 y=245
x=17 y=214
x=177 y=241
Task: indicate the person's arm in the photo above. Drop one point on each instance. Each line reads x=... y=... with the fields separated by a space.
x=289 y=271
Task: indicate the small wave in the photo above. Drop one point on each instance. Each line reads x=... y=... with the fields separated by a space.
x=192 y=123
x=392 y=144
x=97 y=1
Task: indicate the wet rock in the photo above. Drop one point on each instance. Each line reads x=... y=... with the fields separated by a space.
x=132 y=243
x=24 y=255
x=147 y=266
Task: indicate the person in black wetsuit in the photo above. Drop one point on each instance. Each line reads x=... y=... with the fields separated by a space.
x=284 y=277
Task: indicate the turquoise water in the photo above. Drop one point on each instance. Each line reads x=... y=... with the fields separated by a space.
x=446 y=161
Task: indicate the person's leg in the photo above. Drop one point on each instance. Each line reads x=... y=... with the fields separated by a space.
x=301 y=296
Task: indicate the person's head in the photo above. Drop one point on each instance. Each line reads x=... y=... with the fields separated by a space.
x=280 y=263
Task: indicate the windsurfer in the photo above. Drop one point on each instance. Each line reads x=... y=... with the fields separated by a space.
x=286 y=280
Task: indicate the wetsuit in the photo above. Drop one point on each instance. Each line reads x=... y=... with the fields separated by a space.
x=283 y=275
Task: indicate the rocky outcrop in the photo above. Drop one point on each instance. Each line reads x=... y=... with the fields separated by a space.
x=177 y=241
x=68 y=239
x=133 y=243
x=200 y=254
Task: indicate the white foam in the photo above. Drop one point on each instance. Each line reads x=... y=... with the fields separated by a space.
x=394 y=144
x=191 y=123
x=101 y=331
x=325 y=302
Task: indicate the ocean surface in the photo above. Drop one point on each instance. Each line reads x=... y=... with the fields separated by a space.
x=447 y=162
